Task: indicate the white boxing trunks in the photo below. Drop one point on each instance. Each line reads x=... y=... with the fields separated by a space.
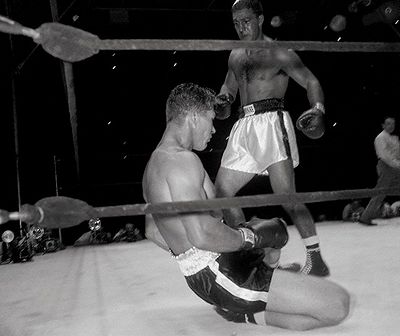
x=257 y=141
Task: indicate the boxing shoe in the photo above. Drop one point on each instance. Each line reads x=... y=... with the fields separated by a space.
x=315 y=265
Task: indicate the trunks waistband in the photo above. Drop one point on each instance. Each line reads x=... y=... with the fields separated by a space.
x=262 y=106
x=194 y=260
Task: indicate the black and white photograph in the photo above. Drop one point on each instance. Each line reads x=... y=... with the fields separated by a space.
x=209 y=167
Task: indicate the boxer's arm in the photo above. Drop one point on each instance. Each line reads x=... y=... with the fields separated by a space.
x=209 y=188
x=203 y=230
x=226 y=97
x=230 y=85
x=295 y=69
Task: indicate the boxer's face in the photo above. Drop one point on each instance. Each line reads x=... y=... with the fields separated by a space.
x=204 y=130
x=247 y=24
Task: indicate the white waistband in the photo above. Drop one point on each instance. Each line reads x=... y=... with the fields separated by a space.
x=194 y=260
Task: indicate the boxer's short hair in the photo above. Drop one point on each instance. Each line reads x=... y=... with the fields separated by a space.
x=189 y=97
x=254 y=5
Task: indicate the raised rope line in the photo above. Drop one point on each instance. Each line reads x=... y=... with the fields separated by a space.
x=251 y=201
x=73 y=44
x=217 y=45
x=62 y=212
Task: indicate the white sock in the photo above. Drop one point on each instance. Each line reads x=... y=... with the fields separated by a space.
x=312 y=241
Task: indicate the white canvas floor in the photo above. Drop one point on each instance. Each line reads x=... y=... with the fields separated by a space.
x=136 y=289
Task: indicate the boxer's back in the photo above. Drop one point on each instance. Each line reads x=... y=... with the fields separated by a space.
x=164 y=165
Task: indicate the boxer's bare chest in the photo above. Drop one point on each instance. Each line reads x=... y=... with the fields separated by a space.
x=250 y=65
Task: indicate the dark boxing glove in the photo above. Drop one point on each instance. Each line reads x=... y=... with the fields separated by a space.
x=311 y=122
x=222 y=105
x=261 y=233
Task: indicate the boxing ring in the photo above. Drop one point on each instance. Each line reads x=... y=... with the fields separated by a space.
x=137 y=289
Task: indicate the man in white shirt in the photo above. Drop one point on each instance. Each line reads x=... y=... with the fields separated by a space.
x=387 y=148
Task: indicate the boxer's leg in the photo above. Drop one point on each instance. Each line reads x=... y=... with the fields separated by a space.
x=227 y=184
x=282 y=181
x=300 y=302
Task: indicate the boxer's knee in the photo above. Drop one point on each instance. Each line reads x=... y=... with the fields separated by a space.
x=228 y=182
x=296 y=209
x=343 y=305
x=223 y=188
x=337 y=307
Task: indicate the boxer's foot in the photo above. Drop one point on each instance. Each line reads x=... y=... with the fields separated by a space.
x=315 y=265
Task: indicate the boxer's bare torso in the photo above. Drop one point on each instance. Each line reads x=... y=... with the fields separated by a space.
x=166 y=166
x=264 y=73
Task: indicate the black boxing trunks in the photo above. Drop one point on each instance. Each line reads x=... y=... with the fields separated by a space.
x=235 y=282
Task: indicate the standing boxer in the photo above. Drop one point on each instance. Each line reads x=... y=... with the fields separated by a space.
x=223 y=265
x=263 y=140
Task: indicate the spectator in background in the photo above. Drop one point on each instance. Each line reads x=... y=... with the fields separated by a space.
x=96 y=234
x=395 y=209
x=387 y=149
x=386 y=210
x=390 y=210
x=129 y=234
x=353 y=211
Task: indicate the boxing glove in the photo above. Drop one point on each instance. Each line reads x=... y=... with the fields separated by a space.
x=311 y=122
x=222 y=105
x=261 y=233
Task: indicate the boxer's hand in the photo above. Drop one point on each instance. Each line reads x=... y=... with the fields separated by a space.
x=311 y=122
x=222 y=105
x=261 y=233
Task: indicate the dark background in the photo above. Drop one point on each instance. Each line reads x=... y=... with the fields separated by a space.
x=121 y=96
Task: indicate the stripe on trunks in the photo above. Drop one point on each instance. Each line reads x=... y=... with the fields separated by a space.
x=234 y=289
x=285 y=136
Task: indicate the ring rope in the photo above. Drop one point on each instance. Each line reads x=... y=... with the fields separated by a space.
x=241 y=202
x=72 y=44
x=216 y=45
x=62 y=33
x=63 y=212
